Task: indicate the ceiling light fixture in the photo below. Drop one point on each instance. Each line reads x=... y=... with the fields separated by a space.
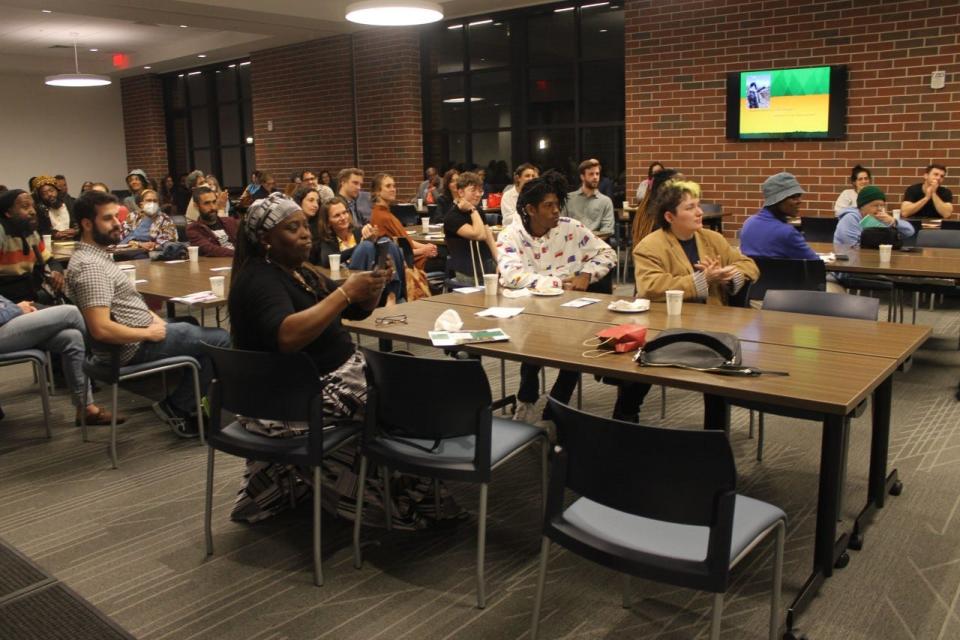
x=393 y=13
x=462 y=100
x=201 y=55
x=184 y=26
x=77 y=79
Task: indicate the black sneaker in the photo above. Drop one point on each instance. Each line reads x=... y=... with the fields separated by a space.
x=185 y=426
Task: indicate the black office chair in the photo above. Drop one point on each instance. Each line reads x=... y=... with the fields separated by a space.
x=407 y=214
x=818 y=228
x=464 y=259
x=40 y=361
x=275 y=386
x=932 y=238
x=458 y=439
x=659 y=504
x=778 y=273
x=712 y=215
x=939 y=238
x=949 y=225
x=181 y=224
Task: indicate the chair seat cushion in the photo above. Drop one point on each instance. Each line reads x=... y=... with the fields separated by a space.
x=237 y=441
x=23 y=354
x=507 y=436
x=666 y=539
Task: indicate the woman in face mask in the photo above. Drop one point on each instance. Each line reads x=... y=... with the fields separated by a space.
x=148 y=228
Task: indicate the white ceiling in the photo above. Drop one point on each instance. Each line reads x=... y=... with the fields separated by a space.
x=148 y=32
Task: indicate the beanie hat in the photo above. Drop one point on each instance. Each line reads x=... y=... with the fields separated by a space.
x=41 y=181
x=779 y=187
x=140 y=173
x=869 y=194
x=7 y=198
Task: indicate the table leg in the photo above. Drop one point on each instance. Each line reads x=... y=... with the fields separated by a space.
x=879 y=482
x=716 y=413
x=829 y=551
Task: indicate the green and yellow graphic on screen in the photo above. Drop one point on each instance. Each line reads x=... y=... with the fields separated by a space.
x=792 y=102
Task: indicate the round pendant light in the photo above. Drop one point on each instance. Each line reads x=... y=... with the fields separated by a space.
x=77 y=79
x=393 y=13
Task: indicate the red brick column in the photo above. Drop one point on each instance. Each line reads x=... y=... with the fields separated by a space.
x=144 y=125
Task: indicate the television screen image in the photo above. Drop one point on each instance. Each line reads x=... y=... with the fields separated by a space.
x=787 y=103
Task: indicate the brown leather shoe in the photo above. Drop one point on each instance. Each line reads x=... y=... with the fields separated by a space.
x=100 y=417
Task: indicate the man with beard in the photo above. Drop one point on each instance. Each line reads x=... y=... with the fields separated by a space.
x=136 y=181
x=351 y=188
x=116 y=314
x=27 y=270
x=588 y=205
x=54 y=215
x=214 y=234
x=64 y=190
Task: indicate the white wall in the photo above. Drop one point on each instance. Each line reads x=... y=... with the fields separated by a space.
x=51 y=130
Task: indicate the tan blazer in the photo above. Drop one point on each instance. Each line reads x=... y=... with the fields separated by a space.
x=661 y=264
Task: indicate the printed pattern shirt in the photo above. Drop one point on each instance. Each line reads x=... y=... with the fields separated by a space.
x=567 y=250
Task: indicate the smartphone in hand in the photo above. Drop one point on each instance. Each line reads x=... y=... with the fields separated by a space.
x=382 y=254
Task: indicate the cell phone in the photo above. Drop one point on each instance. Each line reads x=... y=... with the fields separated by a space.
x=841 y=256
x=908 y=249
x=382 y=254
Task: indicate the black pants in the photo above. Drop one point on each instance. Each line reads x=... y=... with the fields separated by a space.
x=630 y=395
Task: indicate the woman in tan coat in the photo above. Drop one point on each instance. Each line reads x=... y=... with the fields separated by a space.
x=683 y=255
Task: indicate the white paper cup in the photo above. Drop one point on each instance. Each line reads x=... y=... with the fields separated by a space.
x=425 y=224
x=335 y=262
x=896 y=214
x=626 y=204
x=130 y=270
x=490 y=284
x=48 y=241
x=419 y=204
x=194 y=253
x=483 y=203
x=218 y=285
x=674 y=302
x=885 y=251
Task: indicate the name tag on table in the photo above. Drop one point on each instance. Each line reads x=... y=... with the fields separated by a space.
x=580 y=302
x=173 y=261
x=221 y=268
x=196 y=298
x=468 y=289
x=500 y=312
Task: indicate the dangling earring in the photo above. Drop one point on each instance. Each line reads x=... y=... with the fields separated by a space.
x=267 y=254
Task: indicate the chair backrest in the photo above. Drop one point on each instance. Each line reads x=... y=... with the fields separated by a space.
x=779 y=273
x=818 y=228
x=491 y=218
x=406 y=213
x=406 y=249
x=917 y=224
x=181 y=224
x=709 y=208
x=461 y=258
x=425 y=397
x=275 y=386
x=821 y=303
x=939 y=238
x=950 y=224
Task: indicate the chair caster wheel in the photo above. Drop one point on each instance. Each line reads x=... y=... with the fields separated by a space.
x=896 y=488
x=856 y=542
x=842 y=561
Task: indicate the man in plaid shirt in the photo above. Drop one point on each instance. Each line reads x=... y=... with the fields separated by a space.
x=116 y=314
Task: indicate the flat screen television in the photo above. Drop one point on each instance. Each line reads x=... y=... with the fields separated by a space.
x=809 y=103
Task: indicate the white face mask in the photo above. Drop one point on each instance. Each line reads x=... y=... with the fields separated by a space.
x=150 y=208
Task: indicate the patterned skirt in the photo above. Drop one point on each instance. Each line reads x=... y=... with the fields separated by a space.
x=269 y=488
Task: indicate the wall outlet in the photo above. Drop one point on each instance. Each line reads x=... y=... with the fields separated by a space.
x=938 y=79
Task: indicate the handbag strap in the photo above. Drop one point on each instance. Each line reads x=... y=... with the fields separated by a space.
x=704 y=339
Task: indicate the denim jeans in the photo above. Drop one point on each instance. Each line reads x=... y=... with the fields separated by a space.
x=364 y=258
x=630 y=395
x=57 y=329
x=184 y=339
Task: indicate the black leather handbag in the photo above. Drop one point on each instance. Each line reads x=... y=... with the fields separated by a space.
x=873 y=237
x=708 y=351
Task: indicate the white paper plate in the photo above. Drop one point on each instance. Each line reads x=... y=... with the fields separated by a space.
x=622 y=306
x=548 y=292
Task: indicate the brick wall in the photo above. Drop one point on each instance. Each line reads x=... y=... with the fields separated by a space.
x=144 y=125
x=678 y=55
x=307 y=91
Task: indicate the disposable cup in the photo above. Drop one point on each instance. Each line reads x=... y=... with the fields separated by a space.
x=218 y=285
x=896 y=214
x=626 y=204
x=419 y=204
x=674 y=302
x=490 y=284
x=483 y=203
x=885 y=251
x=425 y=224
x=47 y=241
x=194 y=253
x=335 y=262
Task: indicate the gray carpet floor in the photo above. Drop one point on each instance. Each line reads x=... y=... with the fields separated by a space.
x=130 y=540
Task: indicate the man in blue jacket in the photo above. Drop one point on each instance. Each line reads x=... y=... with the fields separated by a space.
x=869 y=212
x=767 y=234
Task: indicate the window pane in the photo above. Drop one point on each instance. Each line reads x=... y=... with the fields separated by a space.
x=243 y=69
x=456 y=149
x=550 y=95
x=601 y=32
x=197 y=86
x=554 y=149
x=180 y=156
x=176 y=92
x=601 y=91
x=490 y=99
x=550 y=38
x=247 y=120
x=489 y=44
x=250 y=153
x=201 y=160
x=606 y=144
x=230 y=159
x=447 y=107
x=200 y=127
x=226 y=84
x=229 y=124
x=490 y=149
x=443 y=48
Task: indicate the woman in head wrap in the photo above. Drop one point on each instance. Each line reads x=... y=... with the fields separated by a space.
x=278 y=302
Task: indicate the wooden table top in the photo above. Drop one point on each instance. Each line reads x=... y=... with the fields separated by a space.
x=921 y=262
x=820 y=380
x=842 y=335
x=178 y=278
